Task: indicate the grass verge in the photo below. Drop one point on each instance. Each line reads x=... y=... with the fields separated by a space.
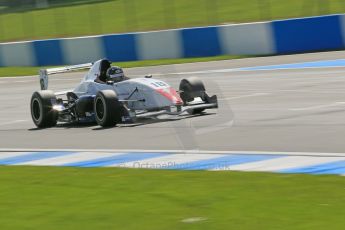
x=118 y=16
x=111 y=198
x=29 y=71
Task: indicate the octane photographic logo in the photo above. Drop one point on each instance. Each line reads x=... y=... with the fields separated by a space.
x=154 y=165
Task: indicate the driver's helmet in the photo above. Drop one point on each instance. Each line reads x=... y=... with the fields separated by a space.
x=115 y=74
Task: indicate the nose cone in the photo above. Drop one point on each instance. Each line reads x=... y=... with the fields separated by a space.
x=171 y=95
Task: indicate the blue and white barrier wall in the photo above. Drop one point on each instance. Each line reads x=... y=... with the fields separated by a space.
x=262 y=38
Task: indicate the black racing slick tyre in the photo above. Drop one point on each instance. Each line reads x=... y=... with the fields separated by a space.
x=191 y=88
x=107 y=108
x=195 y=111
x=42 y=112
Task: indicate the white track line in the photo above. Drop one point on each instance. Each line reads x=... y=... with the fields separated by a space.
x=22 y=81
x=319 y=106
x=164 y=161
x=72 y=158
x=243 y=69
x=246 y=96
x=283 y=163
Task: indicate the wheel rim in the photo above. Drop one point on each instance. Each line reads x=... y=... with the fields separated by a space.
x=36 y=110
x=99 y=109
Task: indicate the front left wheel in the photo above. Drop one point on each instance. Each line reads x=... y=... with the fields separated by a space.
x=41 y=106
x=107 y=108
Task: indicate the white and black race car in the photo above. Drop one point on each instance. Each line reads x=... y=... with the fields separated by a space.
x=112 y=102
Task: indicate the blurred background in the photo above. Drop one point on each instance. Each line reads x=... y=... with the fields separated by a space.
x=41 y=19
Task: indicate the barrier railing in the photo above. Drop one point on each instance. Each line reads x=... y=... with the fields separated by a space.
x=262 y=38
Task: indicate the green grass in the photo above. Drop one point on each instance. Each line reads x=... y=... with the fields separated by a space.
x=18 y=71
x=110 y=198
x=29 y=71
x=116 y=16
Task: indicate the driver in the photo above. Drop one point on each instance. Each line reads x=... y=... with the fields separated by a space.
x=115 y=74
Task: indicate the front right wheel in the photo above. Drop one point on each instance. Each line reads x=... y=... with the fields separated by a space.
x=191 y=88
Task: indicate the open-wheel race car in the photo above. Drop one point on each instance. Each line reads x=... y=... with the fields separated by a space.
x=108 y=97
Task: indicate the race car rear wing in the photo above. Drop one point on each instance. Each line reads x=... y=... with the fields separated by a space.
x=44 y=73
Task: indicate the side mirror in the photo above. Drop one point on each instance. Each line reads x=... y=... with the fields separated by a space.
x=110 y=83
x=148 y=76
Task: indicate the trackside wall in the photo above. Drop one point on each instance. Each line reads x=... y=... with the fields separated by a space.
x=262 y=38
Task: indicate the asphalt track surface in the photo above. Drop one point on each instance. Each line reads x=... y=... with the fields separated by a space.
x=285 y=110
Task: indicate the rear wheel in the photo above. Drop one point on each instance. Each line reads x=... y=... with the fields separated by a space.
x=191 y=88
x=107 y=108
x=41 y=106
